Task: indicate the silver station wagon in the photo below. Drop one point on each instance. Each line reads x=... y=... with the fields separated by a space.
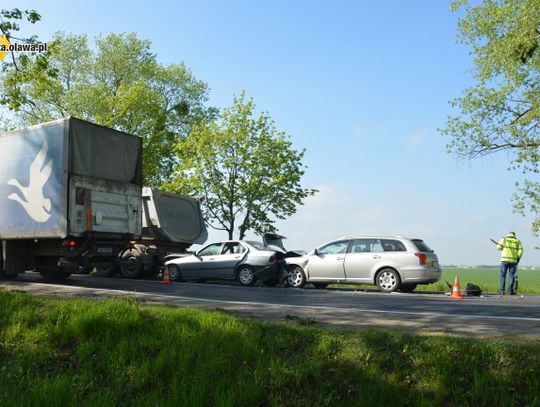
x=392 y=263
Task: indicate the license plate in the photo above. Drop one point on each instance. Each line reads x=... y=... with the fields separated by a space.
x=105 y=250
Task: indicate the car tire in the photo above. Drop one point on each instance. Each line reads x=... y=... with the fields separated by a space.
x=320 y=286
x=175 y=274
x=388 y=280
x=407 y=288
x=296 y=277
x=245 y=276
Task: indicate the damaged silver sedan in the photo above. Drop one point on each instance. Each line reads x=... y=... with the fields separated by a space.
x=240 y=260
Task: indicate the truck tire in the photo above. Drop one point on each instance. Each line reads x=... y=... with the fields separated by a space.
x=131 y=264
x=54 y=275
x=83 y=269
x=49 y=269
x=107 y=270
x=5 y=276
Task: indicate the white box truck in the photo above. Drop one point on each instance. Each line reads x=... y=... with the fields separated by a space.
x=71 y=198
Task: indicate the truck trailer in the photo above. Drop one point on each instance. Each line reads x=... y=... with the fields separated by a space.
x=71 y=198
x=171 y=223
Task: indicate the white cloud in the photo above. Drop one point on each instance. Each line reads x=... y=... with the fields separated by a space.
x=419 y=137
x=370 y=132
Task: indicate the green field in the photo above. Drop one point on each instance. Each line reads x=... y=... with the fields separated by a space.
x=58 y=352
x=487 y=279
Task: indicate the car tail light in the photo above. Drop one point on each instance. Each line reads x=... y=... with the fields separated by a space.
x=422 y=258
x=272 y=259
x=69 y=243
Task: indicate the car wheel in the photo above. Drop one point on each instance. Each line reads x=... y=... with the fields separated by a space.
x=245 y=276
x=407 y=288
x=320 y=286
x=388 y=280
x=296 y=277
x=174 y=272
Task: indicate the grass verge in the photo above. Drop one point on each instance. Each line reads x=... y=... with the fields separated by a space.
x=123 y=353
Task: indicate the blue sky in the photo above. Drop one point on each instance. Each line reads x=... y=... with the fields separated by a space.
x=363 y=86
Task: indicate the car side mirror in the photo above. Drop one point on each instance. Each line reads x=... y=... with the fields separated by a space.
x=315 y=252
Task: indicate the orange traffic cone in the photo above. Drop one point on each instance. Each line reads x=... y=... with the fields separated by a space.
x=166 y=278
x=456 y=292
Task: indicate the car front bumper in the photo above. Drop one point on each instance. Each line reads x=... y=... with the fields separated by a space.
x=276 y=271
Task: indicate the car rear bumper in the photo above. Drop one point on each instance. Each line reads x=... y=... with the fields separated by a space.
x=421 y=275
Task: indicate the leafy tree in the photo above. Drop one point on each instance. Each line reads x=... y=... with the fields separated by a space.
x=118 y=84
x=9 y=24
x=246 y=171
x=501 y=111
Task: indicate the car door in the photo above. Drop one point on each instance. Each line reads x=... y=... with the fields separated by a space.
x=200 y=265
x=326 y=263
x=363 y=258
x=224 y=265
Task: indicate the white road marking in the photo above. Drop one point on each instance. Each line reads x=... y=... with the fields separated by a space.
x=309 y=307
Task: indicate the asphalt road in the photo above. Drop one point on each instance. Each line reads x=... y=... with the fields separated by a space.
x=425 y=313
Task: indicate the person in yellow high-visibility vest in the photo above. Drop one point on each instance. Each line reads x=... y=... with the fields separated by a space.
x=511 y=252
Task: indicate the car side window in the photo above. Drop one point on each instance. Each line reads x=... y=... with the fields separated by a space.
x=210 y=250
x=335 y=248
x=240 y=249
x=233 y=248
x=366 y=246
x=391 y=245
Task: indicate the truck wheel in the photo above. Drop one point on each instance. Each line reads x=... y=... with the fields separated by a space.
x=49 y=269
x=4 y=276
x=54 y=275
x=107 y=270
x=131 y=265
x=84 y=269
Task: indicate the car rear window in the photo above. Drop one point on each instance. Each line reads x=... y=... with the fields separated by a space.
x=422 y=246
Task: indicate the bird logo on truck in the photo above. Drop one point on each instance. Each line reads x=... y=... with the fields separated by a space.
x=31 y=197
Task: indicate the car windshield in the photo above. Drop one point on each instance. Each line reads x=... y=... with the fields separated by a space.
x=257 y=245
x=422 y=246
